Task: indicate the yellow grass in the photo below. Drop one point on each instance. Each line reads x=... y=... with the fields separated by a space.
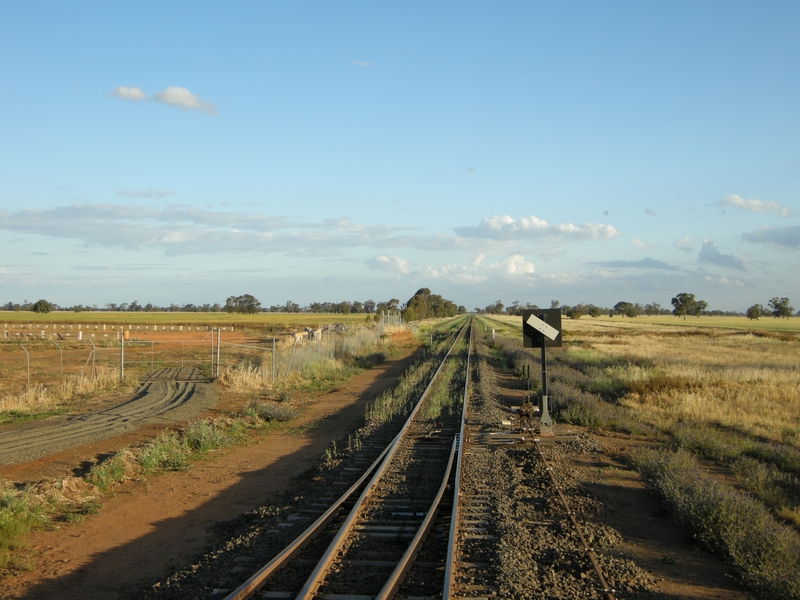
x=705 y=375
x=41 y=398
x=275 y=320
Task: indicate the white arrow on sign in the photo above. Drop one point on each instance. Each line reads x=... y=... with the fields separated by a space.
x=542 y=327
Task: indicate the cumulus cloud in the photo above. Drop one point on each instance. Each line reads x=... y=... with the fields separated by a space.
x=148 y=193
x=393 y=264
x=641 y=245
x=684 y=244
x=134 y=94
x=532 y=228
x=782 y=237
x=649 y=212
x=710 y=254
x=754 y=205
x=183 y=99
x=515 y=265
x=645 y=263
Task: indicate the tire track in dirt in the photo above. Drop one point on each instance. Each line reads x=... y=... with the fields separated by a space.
x=155 y=401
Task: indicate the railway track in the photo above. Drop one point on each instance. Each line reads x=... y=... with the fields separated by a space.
x=421 y=522
x=365 y=543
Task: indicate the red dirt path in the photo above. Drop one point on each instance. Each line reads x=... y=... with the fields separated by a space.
x=149 y=526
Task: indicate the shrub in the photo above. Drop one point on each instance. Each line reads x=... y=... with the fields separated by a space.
x=19 y=514
x=106 y=474
x=165 y=453
x=270 y=411
x=203 y=436
x=723 y=520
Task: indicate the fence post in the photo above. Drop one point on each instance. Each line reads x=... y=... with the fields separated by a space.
x=219 y=347
x=273 y=361
x=29 y=364
x=61 y=352
x=94 y=373
x=121 y=355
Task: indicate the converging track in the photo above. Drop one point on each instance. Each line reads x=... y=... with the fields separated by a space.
x=392 y=509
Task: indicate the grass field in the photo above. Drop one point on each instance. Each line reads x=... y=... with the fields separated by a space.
x=791 y=324
x=260 y=320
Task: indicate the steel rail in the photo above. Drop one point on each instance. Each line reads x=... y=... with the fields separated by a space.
x=452 y=550
x=258 y=579
x=396 y=578
x=590 y=554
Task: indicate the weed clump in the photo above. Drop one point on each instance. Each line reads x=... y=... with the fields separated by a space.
x=165 y=453
x=19 y=514
x=204 y=436
x=723 y=520
x=270 y=411
x=110 y=472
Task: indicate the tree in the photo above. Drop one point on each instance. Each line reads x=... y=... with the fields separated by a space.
x=554 y=303
x=652 y=309
x=425 y=305
x=594 y=312
x=42 y=306
x=685 y=304
x=495 y=308
x=369 y=306
x=780 y=308
x=755 y=311
x=627 y=309
x=245 y=304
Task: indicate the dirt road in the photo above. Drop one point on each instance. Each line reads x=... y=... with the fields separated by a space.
x=165 y=401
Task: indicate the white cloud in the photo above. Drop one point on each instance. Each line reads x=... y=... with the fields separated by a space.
x=183 y=99
x=534 y=228
x=361 y=63
x=134 y=94
x=514 y=265
x=684 y=244
x=637 y=243
x=393 y=264
x=754 y=205
x=478 y=260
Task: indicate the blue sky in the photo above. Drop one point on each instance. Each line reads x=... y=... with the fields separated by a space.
x=580 y=151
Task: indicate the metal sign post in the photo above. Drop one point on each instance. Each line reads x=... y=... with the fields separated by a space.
x=542 y=328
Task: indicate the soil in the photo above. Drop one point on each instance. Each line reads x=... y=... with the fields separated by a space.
x=149 y=528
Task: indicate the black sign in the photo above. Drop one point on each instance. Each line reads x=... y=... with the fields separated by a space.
x=533 y=332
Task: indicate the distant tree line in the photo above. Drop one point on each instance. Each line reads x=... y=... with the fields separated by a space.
x=423 y=305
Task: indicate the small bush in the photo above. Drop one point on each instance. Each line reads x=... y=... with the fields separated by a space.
x=725 y=521
x=165 y=453
x=203 y=436
x=19 y=514
x=106 y=474
x=270 y=411
x=370 y=360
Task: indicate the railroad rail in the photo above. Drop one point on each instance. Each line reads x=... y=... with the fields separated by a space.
x=390 y=510
x=406 y=528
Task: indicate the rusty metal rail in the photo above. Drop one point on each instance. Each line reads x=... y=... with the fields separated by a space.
x=374 y=473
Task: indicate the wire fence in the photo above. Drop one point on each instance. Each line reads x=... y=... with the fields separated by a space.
x=46 y=357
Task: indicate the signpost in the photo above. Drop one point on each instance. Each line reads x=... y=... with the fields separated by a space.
x=542 y=329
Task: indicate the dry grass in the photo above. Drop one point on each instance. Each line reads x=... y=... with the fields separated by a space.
x=42 y=398
x=735 y=380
